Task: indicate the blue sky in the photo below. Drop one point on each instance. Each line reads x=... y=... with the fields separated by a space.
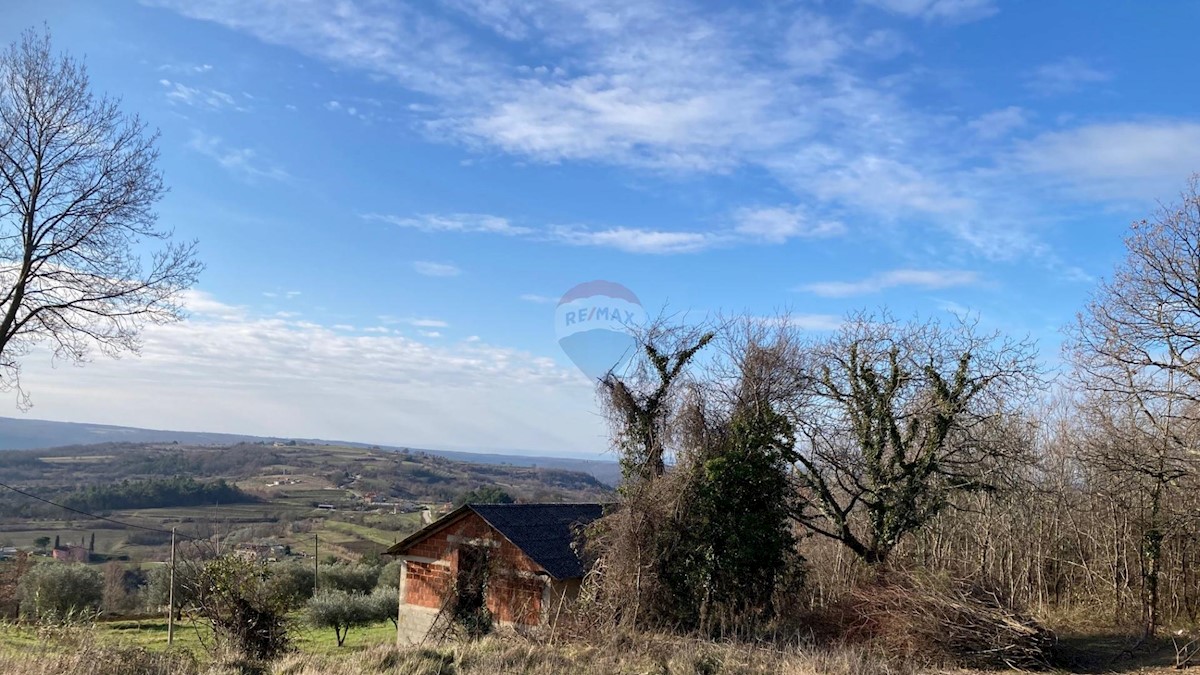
x=390 y=196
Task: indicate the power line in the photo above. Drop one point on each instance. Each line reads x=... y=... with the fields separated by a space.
x=93 y=515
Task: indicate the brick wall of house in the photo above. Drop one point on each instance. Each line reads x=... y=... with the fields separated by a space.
x=512 y=596
x=426 y=584
x=516 y=599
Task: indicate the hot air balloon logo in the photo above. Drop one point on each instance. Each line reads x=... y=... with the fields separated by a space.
x=595 y=323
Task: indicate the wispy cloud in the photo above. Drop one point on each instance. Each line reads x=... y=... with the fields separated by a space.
x=452 y=222
x=671 y=86
x=197 y=97
x=243 y=163
x=187 y=68
x=538 y=299
x=634 y=240
x=423 y=390
x=999 y=123
x=1066 y=76
x=1131 y=160
x=926 y=279
x=435 y=269
x=948 y=11
x=777 y=224
x=367 y=110
x=749 y=225
x=428 y=323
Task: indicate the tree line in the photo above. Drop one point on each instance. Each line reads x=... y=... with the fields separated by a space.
x=767 y=468
x=156 y=493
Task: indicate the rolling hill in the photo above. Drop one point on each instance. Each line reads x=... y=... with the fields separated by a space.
x=29 y=434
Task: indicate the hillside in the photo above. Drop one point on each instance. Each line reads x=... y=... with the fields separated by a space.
x=28 y=434
x=356 y=499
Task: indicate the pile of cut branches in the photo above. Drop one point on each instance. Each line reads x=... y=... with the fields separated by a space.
x=946 y=621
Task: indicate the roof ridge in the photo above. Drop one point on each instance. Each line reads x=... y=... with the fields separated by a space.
x=544 y=504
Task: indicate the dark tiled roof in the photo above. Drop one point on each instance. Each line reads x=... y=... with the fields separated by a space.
x=544 y=532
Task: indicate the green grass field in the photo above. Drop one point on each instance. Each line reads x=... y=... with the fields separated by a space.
x=196 y=637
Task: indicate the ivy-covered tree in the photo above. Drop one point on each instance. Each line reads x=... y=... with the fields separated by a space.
x=641 y=404
x=897 y=419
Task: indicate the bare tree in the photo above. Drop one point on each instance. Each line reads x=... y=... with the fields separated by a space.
x=78 y=184
x=899 y=418
x=1146 y=319
x=1139 y=445
x=1136 y=355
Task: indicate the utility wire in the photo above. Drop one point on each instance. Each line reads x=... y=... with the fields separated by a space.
x=97 y=517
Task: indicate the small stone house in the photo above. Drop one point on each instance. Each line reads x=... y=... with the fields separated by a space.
x=71 y=553
x=526 y=553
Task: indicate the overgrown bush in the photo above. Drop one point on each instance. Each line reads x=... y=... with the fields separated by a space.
x=58 y=592
x=233 y=595
x=707 y=545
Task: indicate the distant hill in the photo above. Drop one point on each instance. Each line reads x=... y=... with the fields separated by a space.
x=29 y=434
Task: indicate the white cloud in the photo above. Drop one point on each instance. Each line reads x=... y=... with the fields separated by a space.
x=927 y=279
x=453 y=222
x=770 y=225
x=190 y=69
x=1129 y=160
x=428 y=323
x=780 y=223
x=227 y=369
x=890 y=187
x=435 y=269
x=948 y=11
x=1066 y=76
x=667 y=86
x=244 y=163
x=999 y=123
x=634 y=240
x=538 y=299
x=210 y=99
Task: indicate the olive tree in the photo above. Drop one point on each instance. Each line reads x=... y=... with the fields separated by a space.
x=60 y=592
x=78 y=184
x=342 y=610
